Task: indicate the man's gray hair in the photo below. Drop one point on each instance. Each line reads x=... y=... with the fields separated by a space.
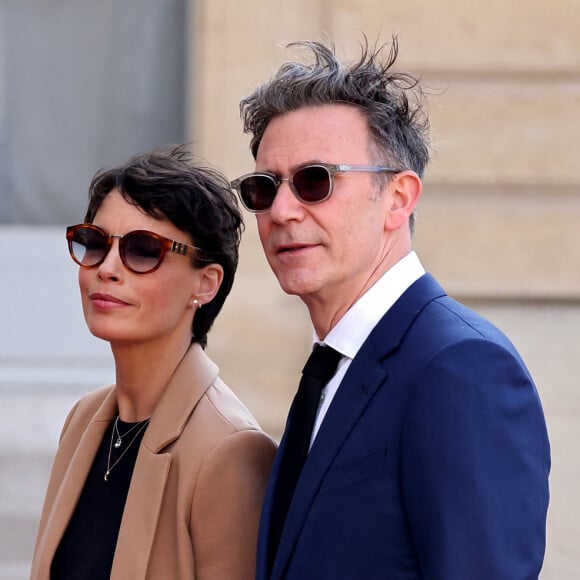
x=392 y=102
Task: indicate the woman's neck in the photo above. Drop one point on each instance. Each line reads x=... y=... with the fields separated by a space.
x=142 y=373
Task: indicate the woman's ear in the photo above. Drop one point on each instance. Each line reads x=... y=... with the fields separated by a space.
x=403 y=193
x=209 y=281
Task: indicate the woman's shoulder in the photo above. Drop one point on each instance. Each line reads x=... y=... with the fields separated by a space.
x=221 y=403
x=219 y=429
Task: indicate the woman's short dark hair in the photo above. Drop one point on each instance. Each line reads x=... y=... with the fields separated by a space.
x=195 y=198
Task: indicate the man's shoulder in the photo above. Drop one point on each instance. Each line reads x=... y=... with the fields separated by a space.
x=429 y=321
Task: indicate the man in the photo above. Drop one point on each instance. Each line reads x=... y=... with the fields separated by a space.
x=429 y=455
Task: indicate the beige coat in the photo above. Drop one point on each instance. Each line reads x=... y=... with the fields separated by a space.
x=194 y=502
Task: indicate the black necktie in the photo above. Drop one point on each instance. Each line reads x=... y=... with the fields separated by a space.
x=319 y=369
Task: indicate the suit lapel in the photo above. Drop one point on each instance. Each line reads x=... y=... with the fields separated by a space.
x=266 y=515
x=355 y=392
x=364 y=376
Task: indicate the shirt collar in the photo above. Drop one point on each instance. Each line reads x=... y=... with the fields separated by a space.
x=349 y=334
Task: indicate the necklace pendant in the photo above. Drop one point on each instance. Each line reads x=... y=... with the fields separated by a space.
x=118 y=443
x=106 y=478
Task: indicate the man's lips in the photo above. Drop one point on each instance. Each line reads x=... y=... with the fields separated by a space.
x=293 y=248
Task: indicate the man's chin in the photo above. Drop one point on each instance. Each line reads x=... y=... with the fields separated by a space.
x=294 y=287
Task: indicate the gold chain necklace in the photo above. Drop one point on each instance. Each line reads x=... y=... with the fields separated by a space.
x=110 y=467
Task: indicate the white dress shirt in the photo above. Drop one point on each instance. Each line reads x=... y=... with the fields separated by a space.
x=350 y=332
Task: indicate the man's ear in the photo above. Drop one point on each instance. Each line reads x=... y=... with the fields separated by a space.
x=210 y=279
x=403 y=193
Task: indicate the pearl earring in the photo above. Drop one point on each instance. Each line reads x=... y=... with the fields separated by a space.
x=195 y=303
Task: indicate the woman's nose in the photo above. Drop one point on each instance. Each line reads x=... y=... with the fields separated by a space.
x=112 y=266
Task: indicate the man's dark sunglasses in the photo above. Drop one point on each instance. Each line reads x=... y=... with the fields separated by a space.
x=310 y=183
x=141 y=251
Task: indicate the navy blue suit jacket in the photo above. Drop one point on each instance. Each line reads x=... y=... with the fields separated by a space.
x=432 y=461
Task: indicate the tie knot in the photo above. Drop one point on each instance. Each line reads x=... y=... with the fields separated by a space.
x=322 y=362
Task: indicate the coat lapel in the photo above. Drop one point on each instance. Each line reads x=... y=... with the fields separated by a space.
x=189 y=382
x=141 y=515
x=73 y=480
x=364 y=376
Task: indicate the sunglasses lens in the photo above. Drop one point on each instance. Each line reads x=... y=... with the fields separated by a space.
x=312 y=184
x=141 y=252
x=88 y=246
x=258 y=192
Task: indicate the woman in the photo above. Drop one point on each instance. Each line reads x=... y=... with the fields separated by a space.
x=161 y=475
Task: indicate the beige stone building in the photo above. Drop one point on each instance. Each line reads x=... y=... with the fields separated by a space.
x=499 y=221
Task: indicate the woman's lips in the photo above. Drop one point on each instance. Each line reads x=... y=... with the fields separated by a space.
x=106 y=301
